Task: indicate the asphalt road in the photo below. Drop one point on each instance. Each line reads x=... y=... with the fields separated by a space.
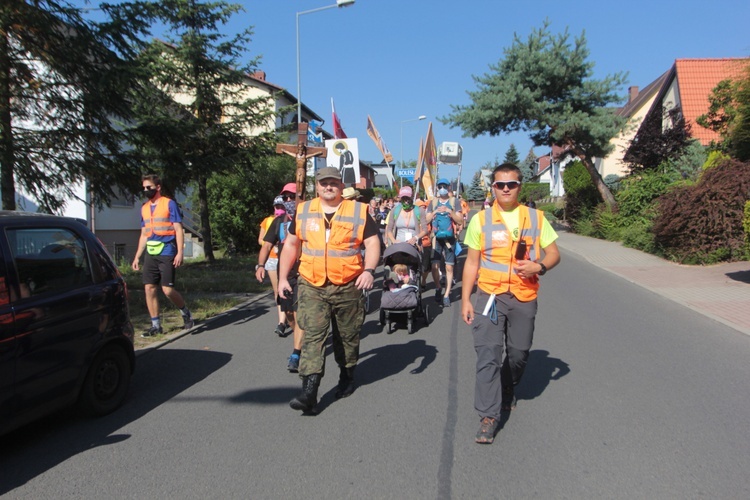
x=627 y=395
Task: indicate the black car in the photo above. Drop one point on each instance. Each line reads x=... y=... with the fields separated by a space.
x=65 y=333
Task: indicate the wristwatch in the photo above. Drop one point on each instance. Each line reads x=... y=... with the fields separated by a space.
x=371 y=271
x=258 y=266
x=543 y=269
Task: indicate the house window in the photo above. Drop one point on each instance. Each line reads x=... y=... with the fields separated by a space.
x=123 y=200
x=119 y=253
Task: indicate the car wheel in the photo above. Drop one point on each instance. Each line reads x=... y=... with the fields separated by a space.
x=106 y=383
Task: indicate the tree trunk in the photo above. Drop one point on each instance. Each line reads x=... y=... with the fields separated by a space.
x=208 y=247
x=604 y=191
x=7 y=155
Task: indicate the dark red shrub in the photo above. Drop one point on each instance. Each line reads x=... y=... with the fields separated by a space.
x=703 y=223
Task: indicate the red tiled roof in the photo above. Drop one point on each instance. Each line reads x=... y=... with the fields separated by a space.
x=696 y=78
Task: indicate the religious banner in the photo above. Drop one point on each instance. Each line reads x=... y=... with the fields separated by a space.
x=379 y=142
x=343 y=154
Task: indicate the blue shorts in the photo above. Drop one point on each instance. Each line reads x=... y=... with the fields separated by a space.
x=446 y=250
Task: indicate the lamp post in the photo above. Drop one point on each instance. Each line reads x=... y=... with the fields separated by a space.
x=420 y=117
x=339 y=3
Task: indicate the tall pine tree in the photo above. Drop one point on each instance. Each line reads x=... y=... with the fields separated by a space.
x=220 y=129
x=544 y=85
x=511 y=156
x=64 y=85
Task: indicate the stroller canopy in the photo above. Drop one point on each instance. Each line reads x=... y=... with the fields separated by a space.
x=401 y=253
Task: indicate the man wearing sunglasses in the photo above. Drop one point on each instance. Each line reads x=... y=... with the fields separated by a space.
x=505 y=246
x=328 y=233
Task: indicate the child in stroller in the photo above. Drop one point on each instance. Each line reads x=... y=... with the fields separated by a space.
x=401 y=292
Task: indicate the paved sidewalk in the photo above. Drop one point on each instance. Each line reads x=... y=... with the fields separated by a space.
x=721 y=291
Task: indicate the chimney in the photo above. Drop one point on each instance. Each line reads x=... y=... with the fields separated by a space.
x=261 y=75
x=632 y=94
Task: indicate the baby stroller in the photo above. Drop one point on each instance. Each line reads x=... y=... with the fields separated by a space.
x=405 y=300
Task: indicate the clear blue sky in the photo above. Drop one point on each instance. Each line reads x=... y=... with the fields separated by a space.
x=398 y=59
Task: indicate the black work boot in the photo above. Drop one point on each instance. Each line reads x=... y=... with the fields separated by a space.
x=306 y=400
x=346 y=382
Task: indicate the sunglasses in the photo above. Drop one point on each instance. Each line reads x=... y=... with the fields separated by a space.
x=509 y=184
x=288 y=197
x=443 y=186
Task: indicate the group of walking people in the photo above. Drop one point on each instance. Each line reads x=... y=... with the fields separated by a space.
x=324 y=253
x=509 y=246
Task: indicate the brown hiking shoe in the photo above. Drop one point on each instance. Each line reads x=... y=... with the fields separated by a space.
x=487 y=430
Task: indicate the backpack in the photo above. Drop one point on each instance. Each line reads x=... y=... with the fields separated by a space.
x=397 y=211
x=442 y=223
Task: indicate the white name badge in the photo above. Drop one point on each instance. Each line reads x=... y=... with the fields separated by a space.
x=408 y=235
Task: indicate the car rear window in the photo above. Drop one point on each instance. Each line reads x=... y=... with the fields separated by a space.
x=48 y=260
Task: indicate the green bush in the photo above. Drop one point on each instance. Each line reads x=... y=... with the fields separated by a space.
x=607 y=223
x=533 y=191
x=635 y=199
x=581 y=196
x=640 y=237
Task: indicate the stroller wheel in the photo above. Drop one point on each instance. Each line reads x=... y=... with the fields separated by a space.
x=391 y=327
x=382 y=317
x=426 y=312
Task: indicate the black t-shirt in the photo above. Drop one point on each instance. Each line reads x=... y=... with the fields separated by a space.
x=273 y=236
x=371 y=227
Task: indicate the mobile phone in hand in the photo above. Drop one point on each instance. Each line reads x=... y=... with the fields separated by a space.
x=521 y=250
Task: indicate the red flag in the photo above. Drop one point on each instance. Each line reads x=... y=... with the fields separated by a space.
x=379 y=142
x=338 y=132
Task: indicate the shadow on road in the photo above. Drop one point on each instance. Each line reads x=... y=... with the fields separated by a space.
x=540 y=371
x=240 y=315
x=742 y=276
x=160 y=375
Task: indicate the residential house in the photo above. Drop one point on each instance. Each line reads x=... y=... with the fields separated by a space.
x=383 y=175
x=117 y=226
x=688 y=85
x=550 y=167
x=638 y=105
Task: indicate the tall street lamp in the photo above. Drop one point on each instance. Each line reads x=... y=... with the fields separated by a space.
x=421 y=117
x=339 y=3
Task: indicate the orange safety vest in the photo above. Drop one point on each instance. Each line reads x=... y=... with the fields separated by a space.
x=265 y=225
x=497 y=251
x=158 y=223
x=339 y=259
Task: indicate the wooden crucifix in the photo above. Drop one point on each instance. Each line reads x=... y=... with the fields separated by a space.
x=301 y=152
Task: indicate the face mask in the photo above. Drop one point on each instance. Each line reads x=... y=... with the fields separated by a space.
x=443 y=192
x=290 y=207
x=279 y=211
x=149 y=193
x=407 y=205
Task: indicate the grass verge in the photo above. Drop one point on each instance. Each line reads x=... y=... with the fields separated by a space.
x=208 y=288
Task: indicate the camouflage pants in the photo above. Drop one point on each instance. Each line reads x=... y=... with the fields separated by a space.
x=316 y=307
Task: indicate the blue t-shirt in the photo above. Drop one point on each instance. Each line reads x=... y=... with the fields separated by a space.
x=170 y=244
